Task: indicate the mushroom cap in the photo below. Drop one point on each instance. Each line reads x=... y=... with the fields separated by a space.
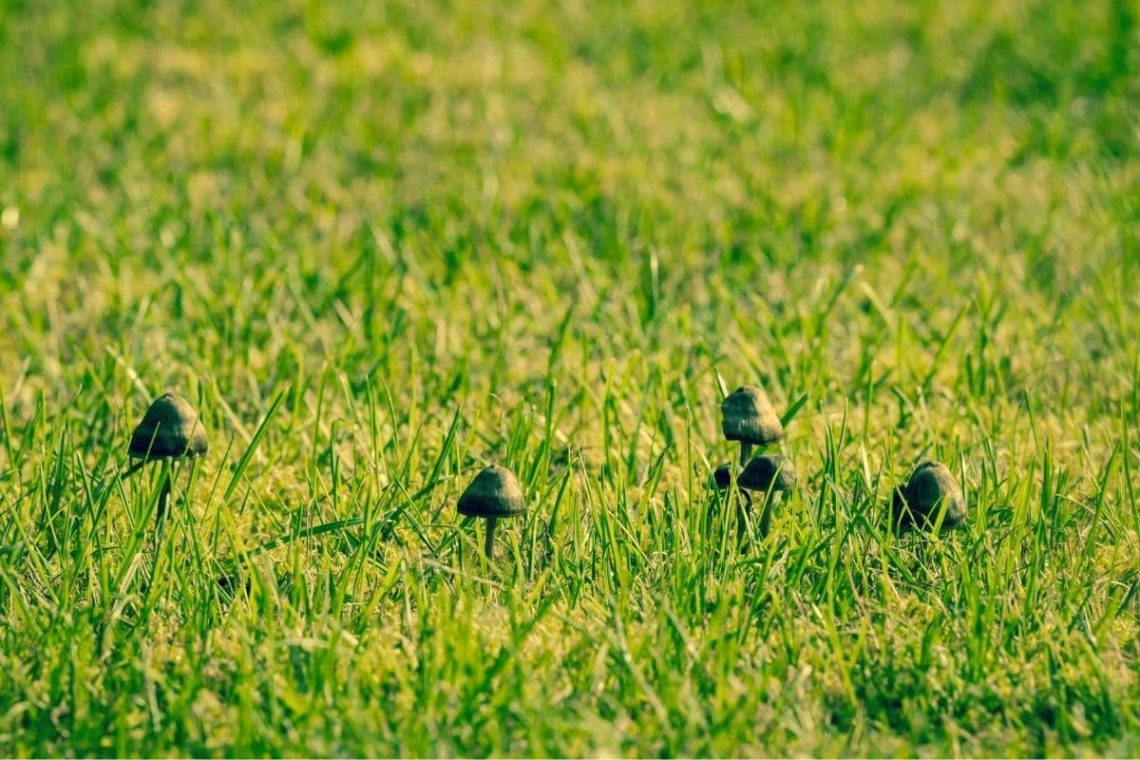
x=919 y=502
x=495 y=492
x=748 y=415
x=722 y=477
x=169 y=429
x=768 y=471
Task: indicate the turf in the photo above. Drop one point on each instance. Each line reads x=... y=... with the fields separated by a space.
x=382 y=245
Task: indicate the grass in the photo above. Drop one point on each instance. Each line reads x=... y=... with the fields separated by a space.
x=383 y=245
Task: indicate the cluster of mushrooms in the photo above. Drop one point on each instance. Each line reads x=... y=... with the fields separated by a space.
x=748 y=417
x=931 y=499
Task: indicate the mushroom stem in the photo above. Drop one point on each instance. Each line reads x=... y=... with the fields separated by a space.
x=745 y=452
x=766 y=516
x=164 y=494
x=489 y=538
x=741 y=522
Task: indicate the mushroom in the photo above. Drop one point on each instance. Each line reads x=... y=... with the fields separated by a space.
x=749 y=417
x=494 y=493
x=722 y=481
x=169 y=430
x=930 y=492
x=722 y=477
x=772 y=475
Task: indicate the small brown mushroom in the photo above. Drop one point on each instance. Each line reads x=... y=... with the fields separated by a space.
x=771 y=475
x=931 y=491
x=722 y=481
x=169 y=430
x=722 y=477
x=773 y=472
x=749 y=417
x=494 y=493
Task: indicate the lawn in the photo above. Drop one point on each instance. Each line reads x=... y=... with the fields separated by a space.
x=380 y=246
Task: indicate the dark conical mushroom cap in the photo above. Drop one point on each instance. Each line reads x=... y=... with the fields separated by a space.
x=170 y=428
x=495 y=492
x=768 y=471
x=749 y=416
x=919 y=502
x=722 y=477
